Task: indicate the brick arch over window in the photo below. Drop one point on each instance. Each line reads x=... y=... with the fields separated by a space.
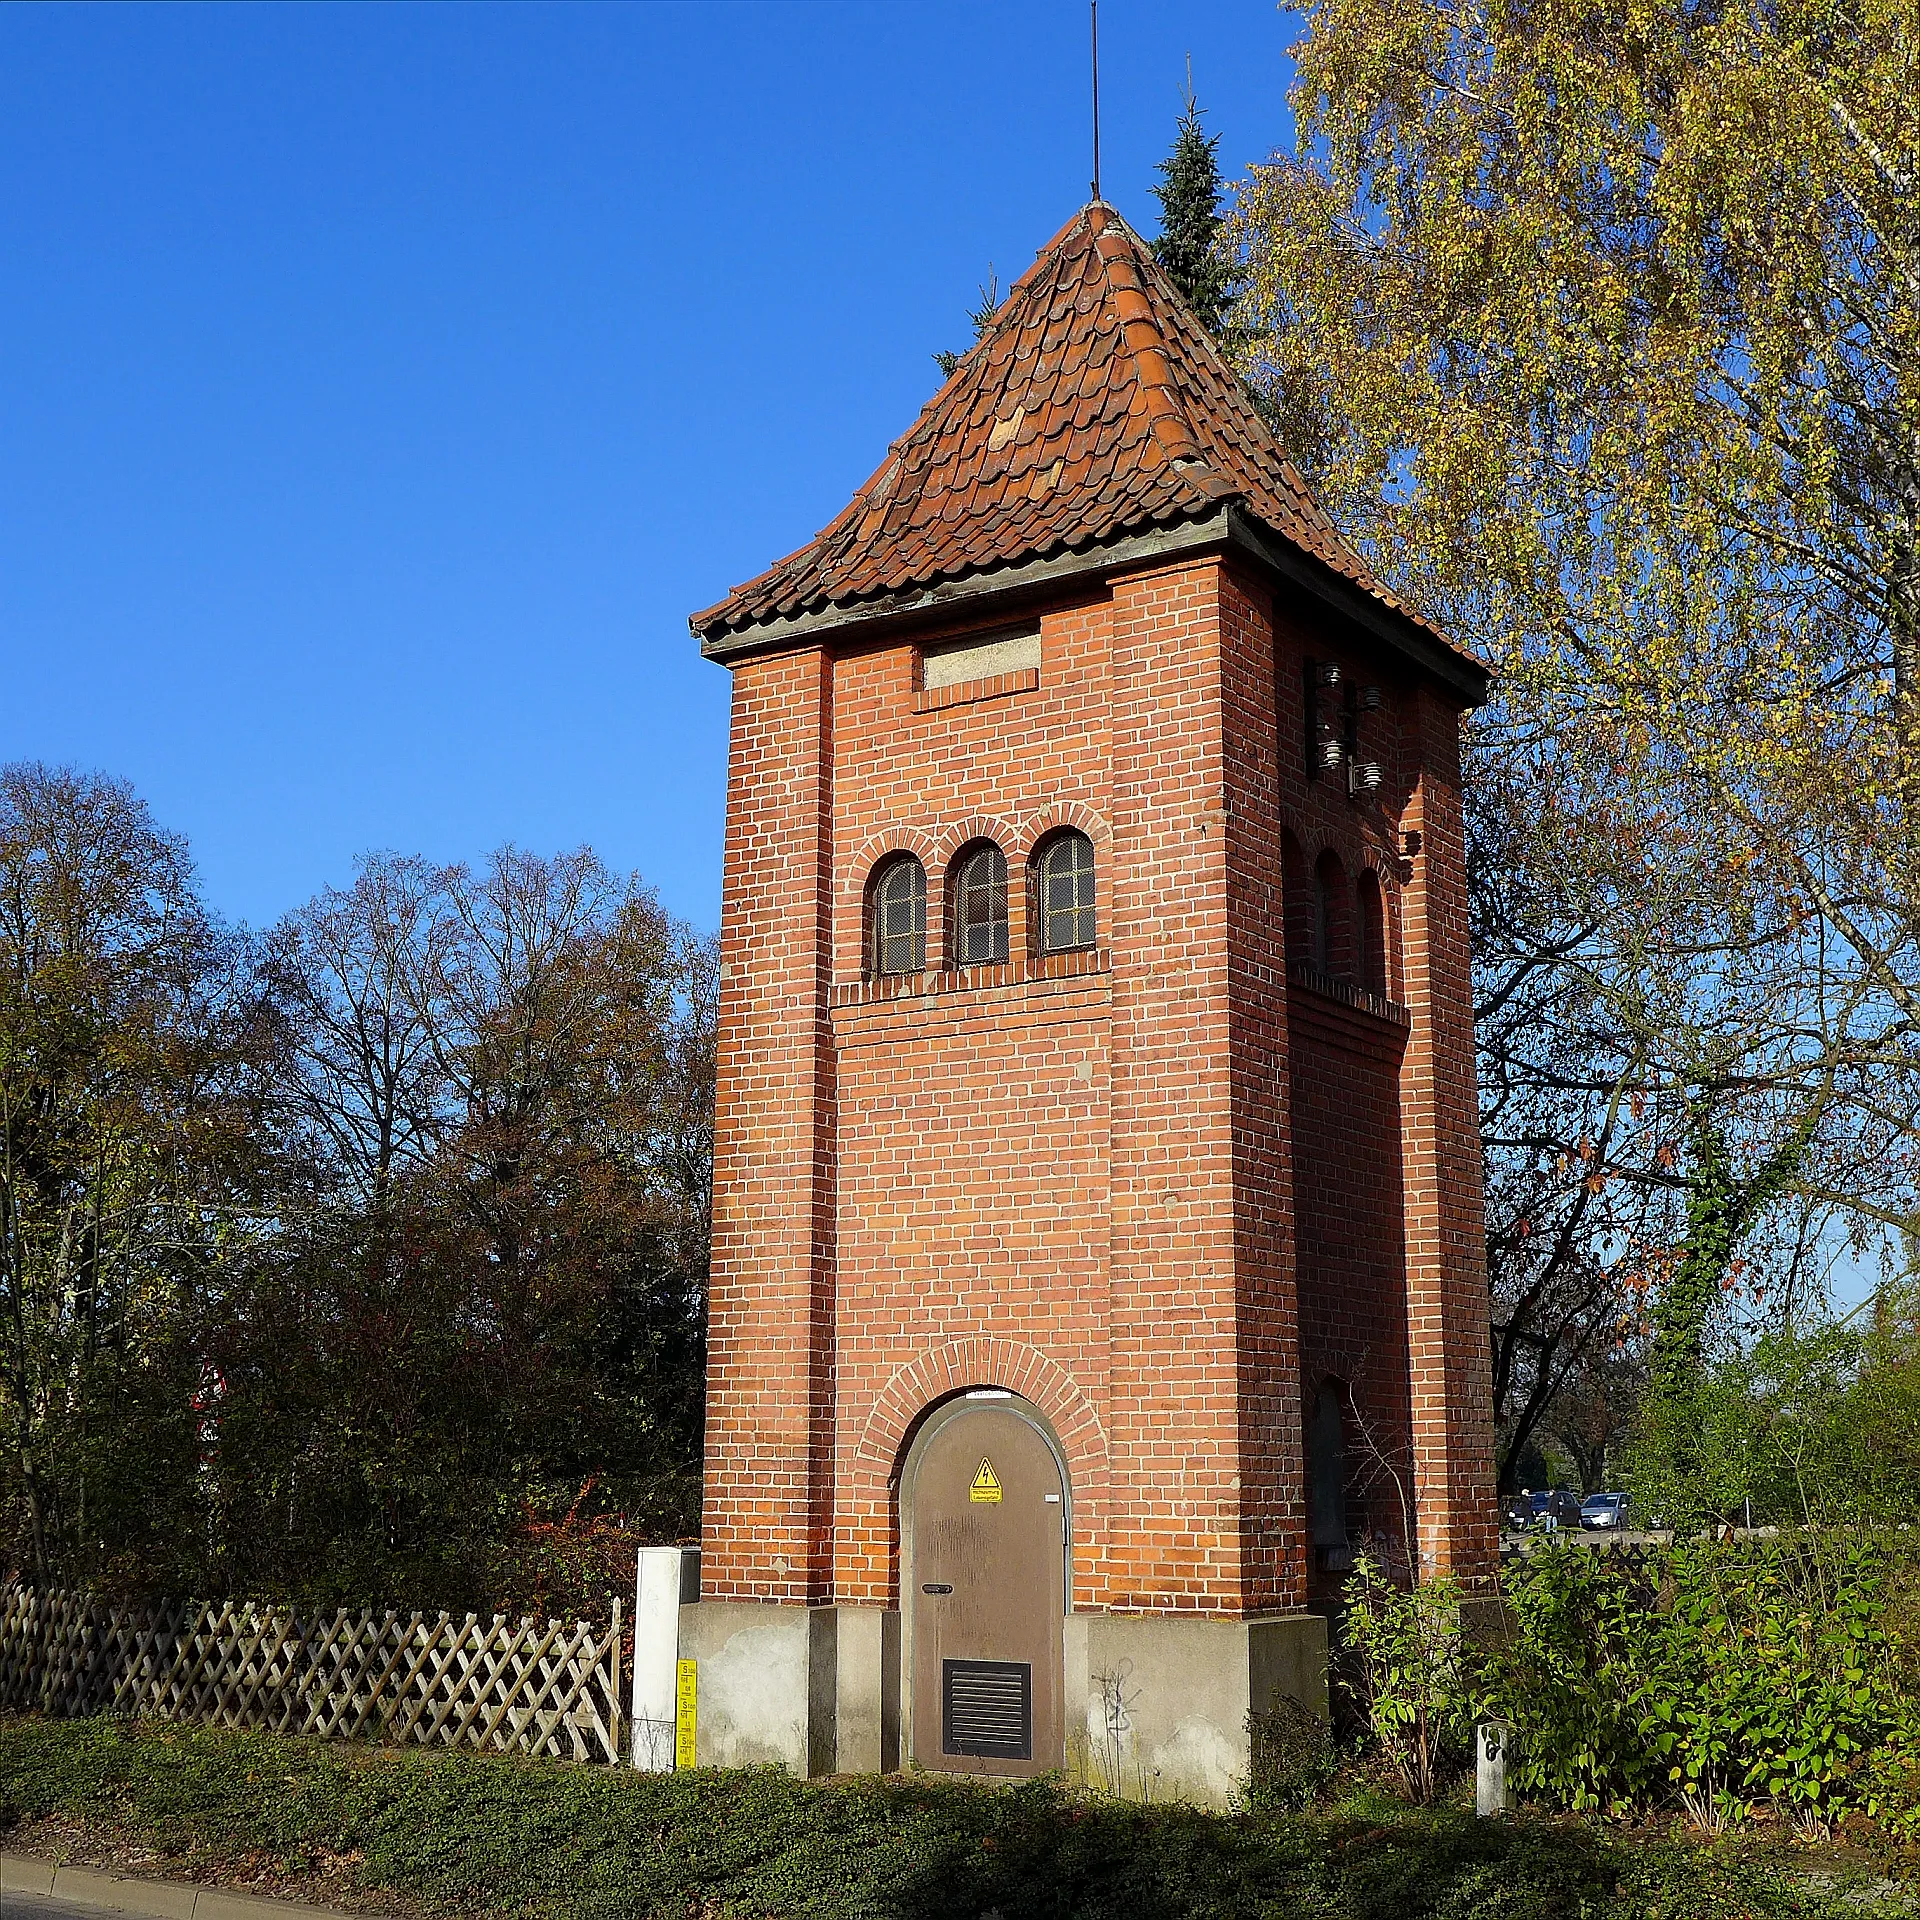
x=1036 y=831
x=1371 y=947
x=960 y=840
x=850 y=897
x=1067 y=813
x=1303 y=847
x=1353 y=850
x=980 y=916
x=964 y=833
x=987 y=1361
x=897 y=917
x=1333 y=928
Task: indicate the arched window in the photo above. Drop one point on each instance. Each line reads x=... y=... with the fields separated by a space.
x=1332 y=916
x=1373 y=933
x=1063 y=894
x=897 y=916
x=977 y=913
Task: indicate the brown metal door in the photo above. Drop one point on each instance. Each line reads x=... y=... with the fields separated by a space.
x=989 y=1595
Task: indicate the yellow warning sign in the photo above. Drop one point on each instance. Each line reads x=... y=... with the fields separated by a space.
x=985 y=1485
x=683 y=1709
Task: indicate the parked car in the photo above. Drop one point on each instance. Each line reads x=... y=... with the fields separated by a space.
x=1607 y=1510
x=1555 y=1508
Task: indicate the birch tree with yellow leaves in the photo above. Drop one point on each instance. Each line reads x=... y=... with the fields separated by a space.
x=1598 y=327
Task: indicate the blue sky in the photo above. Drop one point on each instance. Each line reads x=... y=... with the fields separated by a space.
x=383 y=386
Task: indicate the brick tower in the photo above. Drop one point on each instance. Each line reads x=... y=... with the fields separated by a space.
x=1096 y=1081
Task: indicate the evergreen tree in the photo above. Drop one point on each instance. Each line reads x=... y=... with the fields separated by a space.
x=982 y=318
x=1190 y=221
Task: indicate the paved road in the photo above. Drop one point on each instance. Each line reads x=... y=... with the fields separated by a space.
x=40 y=1906
x=132 y=1897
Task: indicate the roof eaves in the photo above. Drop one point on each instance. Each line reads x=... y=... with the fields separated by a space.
x=1003 y=580
x=1408 y=635
x=1225 y=525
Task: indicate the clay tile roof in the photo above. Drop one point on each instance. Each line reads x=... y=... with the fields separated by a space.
x=1094 y=405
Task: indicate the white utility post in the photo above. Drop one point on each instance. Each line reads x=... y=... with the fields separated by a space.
x=1490 y=1767
x=669 y=1578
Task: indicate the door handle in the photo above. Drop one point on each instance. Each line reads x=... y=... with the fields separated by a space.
x=936 y=1587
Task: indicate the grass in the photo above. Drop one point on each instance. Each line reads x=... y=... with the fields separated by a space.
x=460 y=1834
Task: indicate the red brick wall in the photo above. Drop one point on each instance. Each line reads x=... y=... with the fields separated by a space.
x=1266 y=1308
x=1346 y=1124
x=1446 y=1247
x=1348 y=1174
x=973 y=1199
x=1179 y=1538
x=766 y=1525
x=1088 y=1179
x=973 y=1196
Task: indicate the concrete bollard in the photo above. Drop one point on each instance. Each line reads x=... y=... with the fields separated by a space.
x=1490 y=1767
x=669 y=1578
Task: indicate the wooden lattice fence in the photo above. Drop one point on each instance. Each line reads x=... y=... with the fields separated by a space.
x=529 y=1686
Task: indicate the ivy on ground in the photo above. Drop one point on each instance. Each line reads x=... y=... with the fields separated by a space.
x=470 y=1835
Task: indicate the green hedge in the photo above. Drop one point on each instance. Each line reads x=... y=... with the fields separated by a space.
x=1722 y=1681
x=459 y=1834
x=1726 y=1679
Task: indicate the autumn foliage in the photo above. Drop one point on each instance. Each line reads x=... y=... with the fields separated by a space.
x=359 y=1261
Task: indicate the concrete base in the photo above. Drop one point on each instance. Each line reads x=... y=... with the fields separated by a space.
x=813 y=1689
x=752 y=1702
x=1170 y=1701
x=866 y=1689
x=1159 y=1707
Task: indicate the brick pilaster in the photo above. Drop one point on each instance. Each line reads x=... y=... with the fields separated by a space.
x=768 y=1514
x=1177 y=1541
x=1447 y=1322
x=1266 y=1311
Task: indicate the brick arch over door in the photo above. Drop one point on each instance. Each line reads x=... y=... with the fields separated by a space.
x=983 y=1361
x=850 y=896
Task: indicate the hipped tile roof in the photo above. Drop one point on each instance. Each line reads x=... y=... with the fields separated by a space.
x=1095 y=405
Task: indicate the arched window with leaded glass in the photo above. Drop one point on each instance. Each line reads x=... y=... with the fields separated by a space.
x=977 y=908
x=1063 y=894
x=897 y=917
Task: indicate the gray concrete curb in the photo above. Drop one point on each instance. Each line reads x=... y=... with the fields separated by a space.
x=147 y=1899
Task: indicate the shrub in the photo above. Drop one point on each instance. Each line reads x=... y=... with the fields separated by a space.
x=1291 y=1755
x=1409 y=1675
x=1728 y=1678
x=1562 y=1682
x=448 y=1833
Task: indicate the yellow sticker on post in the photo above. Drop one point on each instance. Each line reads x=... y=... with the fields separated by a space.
x=684 y=1693
x=986 y=1483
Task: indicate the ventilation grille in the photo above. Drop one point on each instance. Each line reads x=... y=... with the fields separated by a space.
x=986 y=1708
